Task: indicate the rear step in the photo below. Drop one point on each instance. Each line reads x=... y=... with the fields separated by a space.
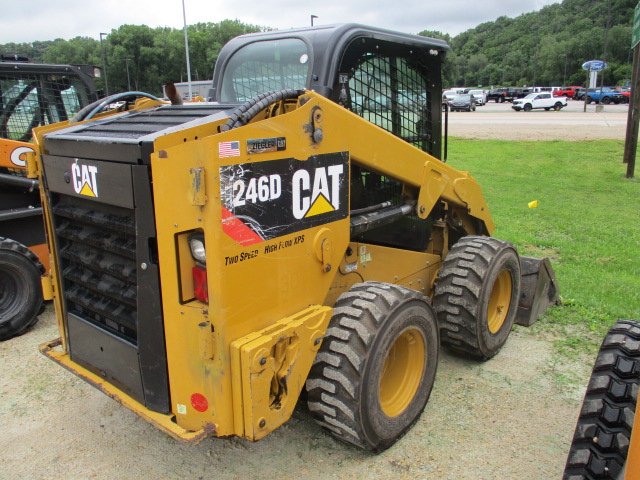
x=538 y=291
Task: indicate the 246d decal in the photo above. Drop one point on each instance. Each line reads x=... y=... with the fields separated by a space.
x=265 y=200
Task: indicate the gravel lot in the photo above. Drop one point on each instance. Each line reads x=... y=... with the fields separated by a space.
x=572 y=123
x=509 y=418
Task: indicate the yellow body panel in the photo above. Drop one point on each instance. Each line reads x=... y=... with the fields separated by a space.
x=270 y=367
x=266 y=298
x=632 y=469
x=240 y=304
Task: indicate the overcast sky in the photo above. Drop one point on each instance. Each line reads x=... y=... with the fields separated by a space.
x=22 y=21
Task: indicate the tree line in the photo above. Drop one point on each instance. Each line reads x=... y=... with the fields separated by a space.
x=138 y=57
x=547 y=47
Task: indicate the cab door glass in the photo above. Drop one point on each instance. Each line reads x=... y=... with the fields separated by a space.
x=260 y=67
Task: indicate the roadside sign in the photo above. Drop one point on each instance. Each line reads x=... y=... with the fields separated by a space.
x=635 y=34
x=594 y=65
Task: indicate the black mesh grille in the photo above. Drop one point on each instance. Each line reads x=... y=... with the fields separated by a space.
x=391 y=93
x=28 y=100
x=97 y=259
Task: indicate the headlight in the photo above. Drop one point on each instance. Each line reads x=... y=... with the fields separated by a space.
x=196 y=245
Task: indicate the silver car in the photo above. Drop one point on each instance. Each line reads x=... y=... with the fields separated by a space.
x=462 y=102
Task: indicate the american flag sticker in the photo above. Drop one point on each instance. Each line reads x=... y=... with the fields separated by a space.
x=228 y=149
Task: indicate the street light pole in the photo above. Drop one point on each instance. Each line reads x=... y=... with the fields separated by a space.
x=186 y=46
x=126 y=60
x=104 y=65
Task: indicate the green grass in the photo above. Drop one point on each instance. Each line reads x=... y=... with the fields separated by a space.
x=587 y=221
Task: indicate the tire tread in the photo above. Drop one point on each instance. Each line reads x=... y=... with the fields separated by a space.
x=458 y=291
x=603 y=431
x=17 y=326
x=336 y=377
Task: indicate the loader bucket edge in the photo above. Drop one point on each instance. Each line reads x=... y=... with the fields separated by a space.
x=538 y=291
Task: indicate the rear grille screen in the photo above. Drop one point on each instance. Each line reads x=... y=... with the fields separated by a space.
x=97 y=251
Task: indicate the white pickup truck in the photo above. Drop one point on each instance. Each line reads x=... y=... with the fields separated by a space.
x=539 y=100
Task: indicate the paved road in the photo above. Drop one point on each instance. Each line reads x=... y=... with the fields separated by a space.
x=500 y=121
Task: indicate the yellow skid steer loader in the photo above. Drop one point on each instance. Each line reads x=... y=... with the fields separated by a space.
x=212 y=260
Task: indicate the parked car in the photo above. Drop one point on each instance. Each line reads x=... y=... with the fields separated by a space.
x=519 y=92
x=498 y=95
x=380 y=103
x=579 y=93
x=568 y=92
x=480 y=96
x=462 y=102
x=539 y=100
x=411 y=101
x=608 y=95
x=448 y=95
x=626 y=94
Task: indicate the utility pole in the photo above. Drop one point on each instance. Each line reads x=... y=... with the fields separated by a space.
x=631 y=140
x=126 y=60
x=633 y=117
x=186 y=46
x=104 y=66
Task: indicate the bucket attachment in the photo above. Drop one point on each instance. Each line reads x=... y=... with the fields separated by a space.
x=538 y=289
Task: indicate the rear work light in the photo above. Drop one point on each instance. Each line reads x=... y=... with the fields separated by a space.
x=200 y=287
x=198 y=251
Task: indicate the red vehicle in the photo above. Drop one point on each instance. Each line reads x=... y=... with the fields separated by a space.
x=626 y=93
x=565 y=92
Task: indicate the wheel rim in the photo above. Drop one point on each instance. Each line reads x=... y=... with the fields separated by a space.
x=499 y=302
x=402 y=372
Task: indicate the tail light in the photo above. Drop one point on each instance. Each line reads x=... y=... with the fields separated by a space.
x=201 y=289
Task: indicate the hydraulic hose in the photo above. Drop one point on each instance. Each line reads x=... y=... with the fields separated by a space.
x=245 y=112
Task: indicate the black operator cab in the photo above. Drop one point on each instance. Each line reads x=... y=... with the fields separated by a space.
x=389 y=78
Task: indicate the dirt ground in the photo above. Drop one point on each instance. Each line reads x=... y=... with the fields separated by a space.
x=509 y=418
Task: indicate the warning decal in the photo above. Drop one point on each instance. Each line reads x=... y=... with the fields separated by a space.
x=265 y=200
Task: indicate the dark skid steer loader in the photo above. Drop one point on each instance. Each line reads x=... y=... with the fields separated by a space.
x=212 y=260
x=31 y=95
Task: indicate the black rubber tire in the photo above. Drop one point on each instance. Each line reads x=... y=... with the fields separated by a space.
x=547 y=108
x=589 y=99
x=606 y=100
x=20 y=288
x=601 y=439
x=527 y=107
x=463 y=292
x=557 y=107
x=343 y=387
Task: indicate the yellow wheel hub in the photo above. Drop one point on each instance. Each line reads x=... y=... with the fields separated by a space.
x=499 y=301
x=402 y=372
